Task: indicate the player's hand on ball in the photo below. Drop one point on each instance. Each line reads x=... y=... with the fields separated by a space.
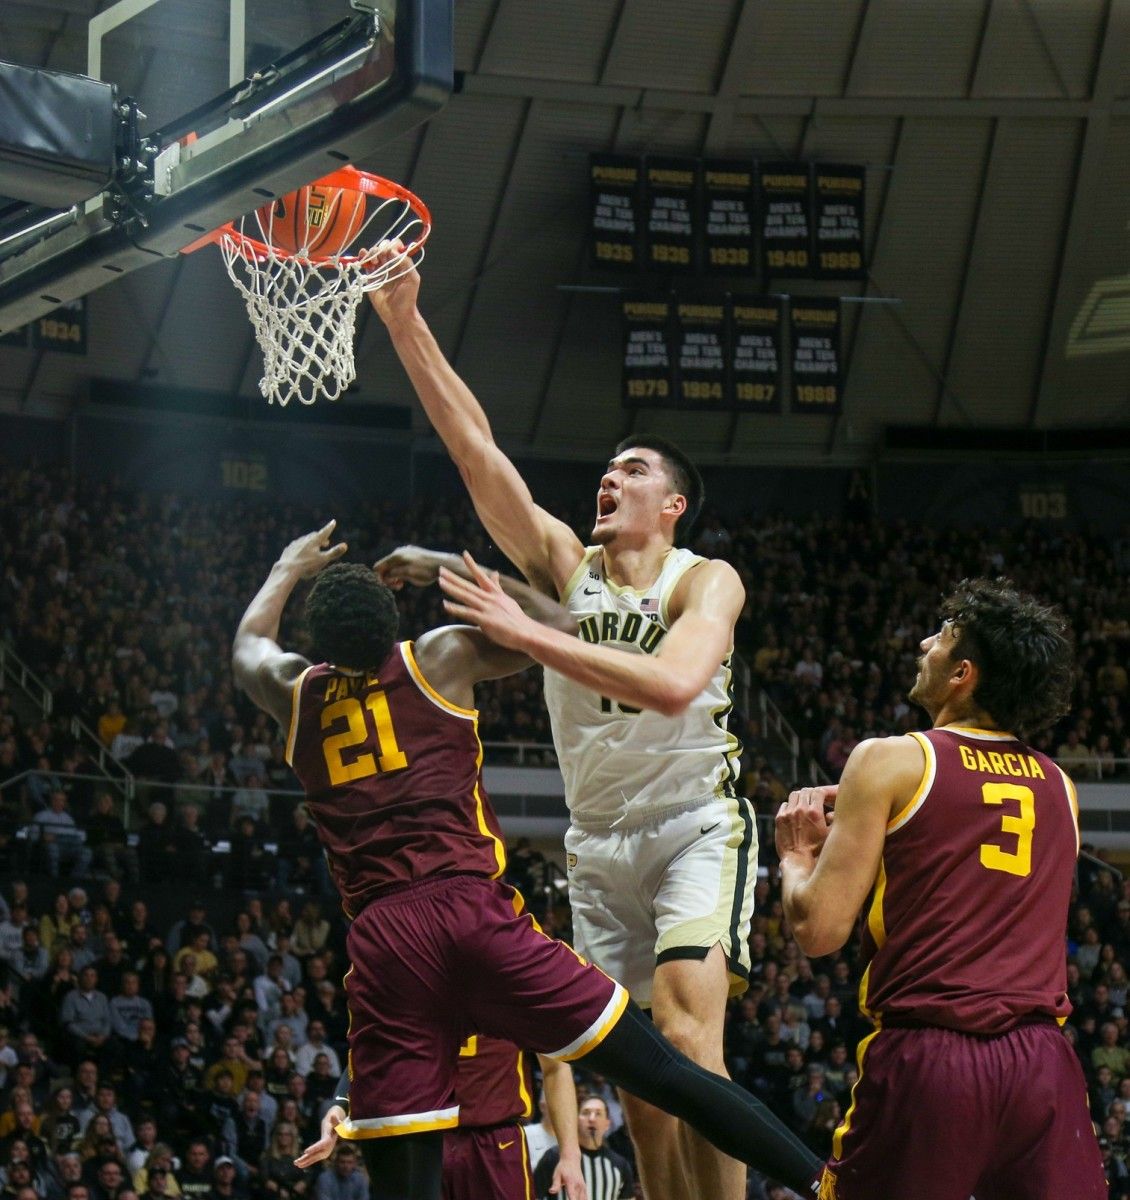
x=409 y=564
x=481 y=601
x=396 y=299
x=802 y=823
x=308 y=554
x=324 y=1146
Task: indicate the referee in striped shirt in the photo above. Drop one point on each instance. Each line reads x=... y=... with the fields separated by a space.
x=607 y=1175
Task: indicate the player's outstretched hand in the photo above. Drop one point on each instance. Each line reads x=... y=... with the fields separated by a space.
x=308 y=554
x=324 y=1146
x=481 y=601
x=568 y=1182
x=802 y=822
x=409 y=564
x=396 y=299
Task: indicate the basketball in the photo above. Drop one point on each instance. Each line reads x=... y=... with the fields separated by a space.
x=314 y=220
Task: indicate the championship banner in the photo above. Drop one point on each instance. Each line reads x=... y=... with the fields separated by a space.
x=670 y=192
x=647 y=374
x=17 y=337
x=755 y=353
x=701 y=349
x=816 y=354
x=727 y=218
x=837 y=224
x=786 y=206
x=62 y=329
x=615 y=203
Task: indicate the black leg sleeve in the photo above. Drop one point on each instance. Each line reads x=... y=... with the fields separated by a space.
x=404 y=1168
x=637 y=1057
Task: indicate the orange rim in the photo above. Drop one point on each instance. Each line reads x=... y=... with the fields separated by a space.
x=349 y=179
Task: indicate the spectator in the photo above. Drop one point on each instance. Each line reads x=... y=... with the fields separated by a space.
x=302 y=864
x=226 y=1184
x=342 y=1180
x=312 y=930
x=31 y=963
x=184 y=930
x=248 y=864
x=251 y=1139
x=157 y=846
x=129 y=1008
x=315 y=1044
x=85 y=1015
x=106 y=1104
x=106 y=838
x=194 y=1178
x=57 y=924
x=193 y=849
x=60 y=839
x=281 y=1179
x=250 y=800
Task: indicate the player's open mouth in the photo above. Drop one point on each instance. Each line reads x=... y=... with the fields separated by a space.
x=605 y=505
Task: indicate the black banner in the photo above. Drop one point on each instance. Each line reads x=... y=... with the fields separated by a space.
x=648 y=381
x=786 y=207
x=62 y=329
x=755 y=353
x=728 y=218
x=701 y=349
x=670 y=190
x=816 y=354
x=837 y=224
x=615 y=201
x=17 y=337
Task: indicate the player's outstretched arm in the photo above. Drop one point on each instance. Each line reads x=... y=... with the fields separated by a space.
x=561 y=1100
x=260 y=666
x=829 y=866
x=543 y=548
x=420 y=567
x=700 y=637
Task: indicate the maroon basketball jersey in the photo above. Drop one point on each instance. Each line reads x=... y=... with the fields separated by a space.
x=392 y=778
x=493 y=1083
x=967 y=924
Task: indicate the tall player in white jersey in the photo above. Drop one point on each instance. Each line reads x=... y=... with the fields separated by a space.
x=662 y=852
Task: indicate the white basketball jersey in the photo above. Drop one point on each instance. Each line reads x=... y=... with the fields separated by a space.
x=615 y=759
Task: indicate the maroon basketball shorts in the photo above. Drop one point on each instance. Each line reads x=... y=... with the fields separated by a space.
x=482 y=1163
x=941 y=1115
x=435 y=963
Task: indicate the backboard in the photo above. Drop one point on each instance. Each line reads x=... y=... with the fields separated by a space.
x=244 y=100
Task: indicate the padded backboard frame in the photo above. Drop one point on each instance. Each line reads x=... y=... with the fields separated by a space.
x=342 y=109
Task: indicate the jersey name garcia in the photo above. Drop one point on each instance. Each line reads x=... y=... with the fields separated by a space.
x=966 y=926
x=616 y=759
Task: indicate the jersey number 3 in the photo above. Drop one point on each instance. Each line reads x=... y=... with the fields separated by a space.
x=390 y=756
x=1018 y=861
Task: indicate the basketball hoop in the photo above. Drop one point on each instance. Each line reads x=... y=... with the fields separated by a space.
x=303 y=304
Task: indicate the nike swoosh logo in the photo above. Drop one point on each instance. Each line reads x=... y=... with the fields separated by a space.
x=594 y=592
x=503 y=1145
x=709 y=828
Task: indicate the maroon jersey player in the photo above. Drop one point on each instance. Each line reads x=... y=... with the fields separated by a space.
x=383 y=737
x=487 y=1155
x=966 y=838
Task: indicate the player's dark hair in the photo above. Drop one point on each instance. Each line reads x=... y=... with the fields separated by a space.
x=684 y=475
x=351 y=617
x=1023 y=651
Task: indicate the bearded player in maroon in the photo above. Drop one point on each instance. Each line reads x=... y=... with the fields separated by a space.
x=966 y=838
x=383 y=736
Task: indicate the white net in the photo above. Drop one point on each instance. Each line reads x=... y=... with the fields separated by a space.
x=304 y=312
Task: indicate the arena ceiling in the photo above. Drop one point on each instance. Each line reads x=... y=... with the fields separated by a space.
x=996 y=134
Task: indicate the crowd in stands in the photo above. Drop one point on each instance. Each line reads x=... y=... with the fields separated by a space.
x=192 y=1055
